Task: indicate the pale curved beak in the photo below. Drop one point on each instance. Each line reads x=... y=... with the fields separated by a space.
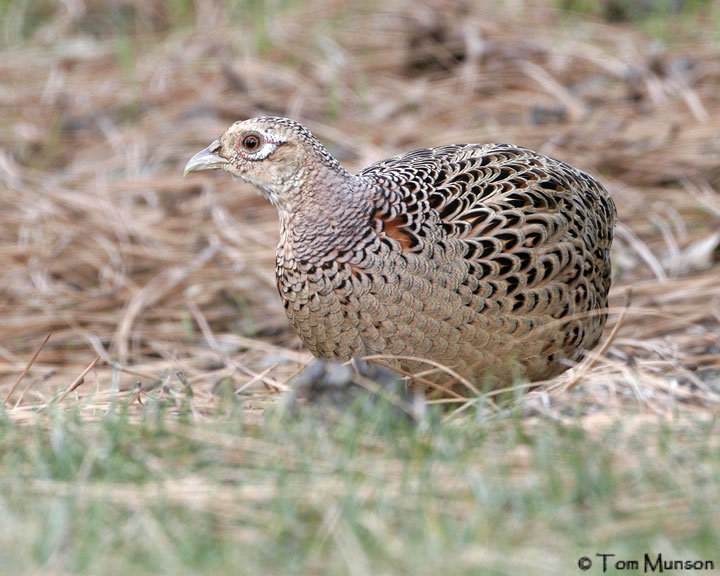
x=207 y=159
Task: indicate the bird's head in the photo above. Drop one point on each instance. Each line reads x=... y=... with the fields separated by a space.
x=277 y=155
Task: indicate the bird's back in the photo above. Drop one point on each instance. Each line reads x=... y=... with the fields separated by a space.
x=493 y=260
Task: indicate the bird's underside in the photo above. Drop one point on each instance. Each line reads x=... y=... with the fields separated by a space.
x=491 y=260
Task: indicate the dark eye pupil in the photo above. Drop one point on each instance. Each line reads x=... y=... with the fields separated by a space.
x=251 y=142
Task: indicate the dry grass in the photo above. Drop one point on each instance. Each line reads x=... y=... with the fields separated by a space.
x=169 y=282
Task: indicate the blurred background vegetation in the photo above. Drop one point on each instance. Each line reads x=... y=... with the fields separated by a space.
x=137 y=440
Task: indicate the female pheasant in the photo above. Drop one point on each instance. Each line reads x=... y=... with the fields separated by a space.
x=490 y=259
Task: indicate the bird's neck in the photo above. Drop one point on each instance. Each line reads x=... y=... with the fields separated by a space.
x=327 y=217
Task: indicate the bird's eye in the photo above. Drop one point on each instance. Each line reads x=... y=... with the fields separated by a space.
x=252 y=142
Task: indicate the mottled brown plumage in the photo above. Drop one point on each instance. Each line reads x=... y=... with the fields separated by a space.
x=490 y=259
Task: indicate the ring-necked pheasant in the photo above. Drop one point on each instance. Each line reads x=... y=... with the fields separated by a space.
x=488 y=258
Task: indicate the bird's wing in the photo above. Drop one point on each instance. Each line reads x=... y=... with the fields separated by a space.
x=530 y=227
